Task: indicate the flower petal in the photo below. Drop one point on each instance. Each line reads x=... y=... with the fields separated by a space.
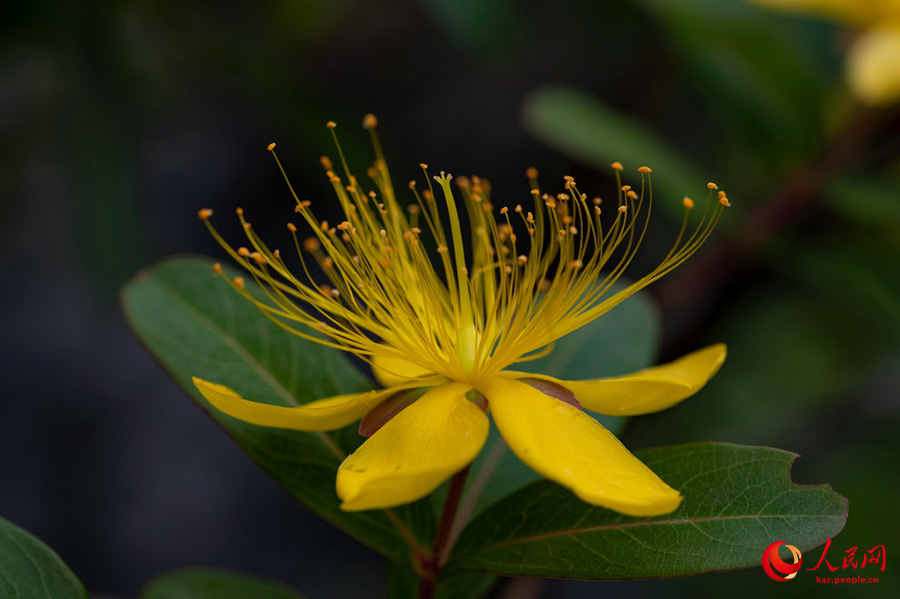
x=873 y=66
x=646 y=391
x=396 y=371
x=321 y=415
x=569 y=447
x=407 y=458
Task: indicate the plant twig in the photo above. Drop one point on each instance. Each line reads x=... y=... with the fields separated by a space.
x=432 y=566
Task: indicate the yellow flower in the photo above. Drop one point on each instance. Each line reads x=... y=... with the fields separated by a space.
x=873 y=61
x=442 y=344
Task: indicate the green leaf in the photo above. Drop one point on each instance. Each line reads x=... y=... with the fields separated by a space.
x=31 y=570
x=738 y=500
x=196 y=325
x=622 y=341
x=403 y=583
x=868 y=202
x=754 y=70
x=581 y=126
x=203 y=583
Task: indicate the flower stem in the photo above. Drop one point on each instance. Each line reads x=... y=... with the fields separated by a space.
x=431 y=566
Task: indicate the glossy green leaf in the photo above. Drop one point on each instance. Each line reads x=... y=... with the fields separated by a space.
x=579 y=125
x=203 y=583
x=738 y=500
x=622 y=341
x=31 y=570
x=196 y=325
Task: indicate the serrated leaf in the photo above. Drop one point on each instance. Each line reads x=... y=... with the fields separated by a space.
x=207 y=583
x=195 y=325
x=738 y=500
x=622 y=341
x=31 y=570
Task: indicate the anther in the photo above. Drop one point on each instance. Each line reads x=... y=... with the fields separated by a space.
x=724 y=201
x=626 y=188
x=239 y=211
x=531 y=172
x=519 y=208
x=644 y=169
x=569 y=179
x=504 y=210
x=327 y=263
x=369 y=121
x=712 y=185
x=617 y=166
x=622 y=209
x=523 y=259
x=688 y=202
x=217 y=268
x=291 y=227
x=423 y=166
x=258 y=258
x=442 y=249
x=239 y=282
x=576 y=264
x=597 y=210
x=326 y=163
x=243 y=252
x=597 y=201
x=271 y=146
x=535 y=192
x=311 y=244
x=331 y=124
x=205 y=213
x=573 y=230
x=276 y=254
x=632 y=194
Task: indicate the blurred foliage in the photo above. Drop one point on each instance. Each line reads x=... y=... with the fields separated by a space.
x=201 y=583
x=121 y=119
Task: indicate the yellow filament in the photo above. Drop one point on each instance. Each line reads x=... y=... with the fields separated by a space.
x=530 y=279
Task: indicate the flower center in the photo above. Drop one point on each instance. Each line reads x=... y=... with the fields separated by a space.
x=500 y=295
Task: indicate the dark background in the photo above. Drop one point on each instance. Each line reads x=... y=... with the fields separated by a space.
x=120 y=119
